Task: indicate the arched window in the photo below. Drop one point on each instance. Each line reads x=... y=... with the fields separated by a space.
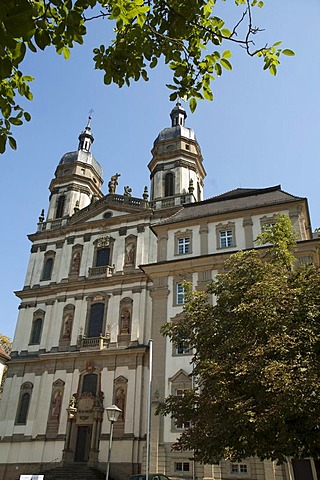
x=24 y=402
x=60 y=206
x=23 y=408
x=36 y=331
x=95 y=325
x=169 y=185
x=47 y=269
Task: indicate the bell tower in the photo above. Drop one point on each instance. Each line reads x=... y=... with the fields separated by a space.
x=176 y=169
x=78 y=179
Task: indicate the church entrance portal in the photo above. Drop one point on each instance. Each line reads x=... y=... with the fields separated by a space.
x=83 y=444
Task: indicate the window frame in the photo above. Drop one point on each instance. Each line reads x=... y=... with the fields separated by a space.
x=182 y=237
x=22 y=408
x=183 y=467
x=36 y=330
x=179 y=383
x=93 y=300
x=239 y=468
x=179 y=294
x=184 y=425
x=89 y=329
x=182 y=349
x=38 y=317
x=100 y=243
x=61 y=201
x=169 y=184
x=226 y=228
x=46 y=273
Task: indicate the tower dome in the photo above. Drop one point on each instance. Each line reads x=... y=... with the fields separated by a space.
x=78 y=179
x=176 y=169
x=83 y=154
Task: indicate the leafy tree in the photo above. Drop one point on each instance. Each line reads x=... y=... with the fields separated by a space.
x=189 y=36
x=6 y=344
x=256 y=358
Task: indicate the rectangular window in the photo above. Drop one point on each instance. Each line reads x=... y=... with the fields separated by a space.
x=182 y=348
x=180 y=294
x=181 y=466
x=95 y=325
x=226 y=238
x=103 y=257
x=186 y=424
x=239 y=468
x=183 y=245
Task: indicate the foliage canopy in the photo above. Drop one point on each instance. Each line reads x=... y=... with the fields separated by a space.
x=189 y=36
x=256 y=360
x=6 y=343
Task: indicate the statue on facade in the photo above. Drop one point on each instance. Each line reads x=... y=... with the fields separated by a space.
x=125 y=321
x=130 y=255
x=127 y=191
x=56 y=406
x=112 y=185
x=121 y=401
x=76 y=259
x=67 y=328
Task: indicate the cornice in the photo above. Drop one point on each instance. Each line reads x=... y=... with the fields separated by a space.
x=74 y=287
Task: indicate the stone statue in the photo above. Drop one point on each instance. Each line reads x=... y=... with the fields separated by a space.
x=112 y=185
x=130 y=254
x=76 y=259
x=125 y=321
x=67 y=326
x=121 y=401
x=73 y=401
x=56 y=405
x=127 y=191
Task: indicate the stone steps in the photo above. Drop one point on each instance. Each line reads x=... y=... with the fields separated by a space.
x=74 y=472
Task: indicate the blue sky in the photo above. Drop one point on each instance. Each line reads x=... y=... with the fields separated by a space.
x=259 y=131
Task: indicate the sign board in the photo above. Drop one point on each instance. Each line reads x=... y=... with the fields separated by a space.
x=31 y=477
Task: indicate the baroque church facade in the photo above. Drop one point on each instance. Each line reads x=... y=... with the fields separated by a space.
x=105 y=272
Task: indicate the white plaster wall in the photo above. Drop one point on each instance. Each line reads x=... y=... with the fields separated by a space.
x=23 y=329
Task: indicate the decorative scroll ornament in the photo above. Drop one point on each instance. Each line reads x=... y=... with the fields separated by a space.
x=103 y=241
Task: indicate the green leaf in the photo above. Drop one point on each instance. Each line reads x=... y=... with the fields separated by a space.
x=5 y=68
x=226 y=64
x=12 y=143
x=227 y=54
x=288 y=52
x=226 y=32
x=153 y=62
x=19 y=19
x=207 y=93
x=273 y=69
x=6 y=110
x=42 y=39
x=27 y=116
x=15 y=121
x=218 y=69
x=192 y=104
x=66 y=52
x=3 y=141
